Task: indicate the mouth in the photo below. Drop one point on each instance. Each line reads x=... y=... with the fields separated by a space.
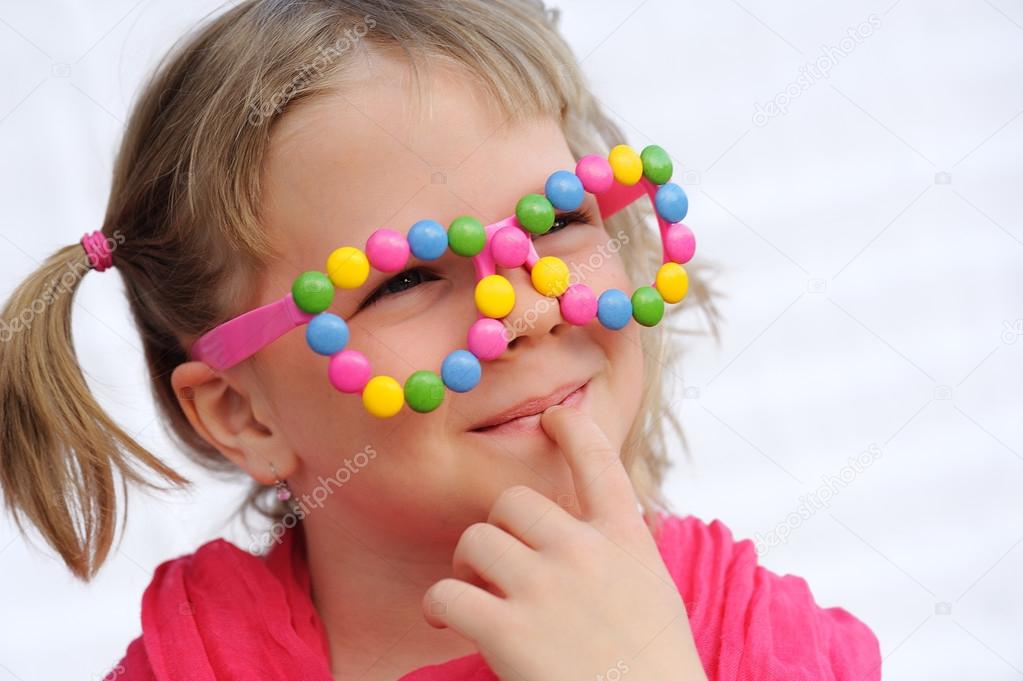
x=525 y=418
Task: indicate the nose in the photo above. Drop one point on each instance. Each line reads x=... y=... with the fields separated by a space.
x=534 y=315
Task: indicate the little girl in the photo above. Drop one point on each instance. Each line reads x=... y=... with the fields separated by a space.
x=493 y=535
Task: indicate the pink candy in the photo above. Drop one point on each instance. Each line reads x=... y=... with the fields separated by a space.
x=679 y=243
x=509 y=247
x=578 y=304
x=487 y=338
x=387 y=250
x=595 y=173
x=349 y=371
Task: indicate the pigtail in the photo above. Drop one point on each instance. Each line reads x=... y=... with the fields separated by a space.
x=58 y=448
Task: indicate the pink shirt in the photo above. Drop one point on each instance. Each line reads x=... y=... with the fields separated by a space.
x=221 y=613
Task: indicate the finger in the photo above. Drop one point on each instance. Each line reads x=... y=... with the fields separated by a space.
x=531 y=517
x=489 y=552
x=601 y=482
x=463 y=607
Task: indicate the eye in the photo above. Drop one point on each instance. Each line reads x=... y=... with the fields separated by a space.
x=399 y=283
x=581 y=216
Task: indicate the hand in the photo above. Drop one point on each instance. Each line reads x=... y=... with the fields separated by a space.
x=547 y=596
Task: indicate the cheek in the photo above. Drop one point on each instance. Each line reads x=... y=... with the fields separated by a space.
x=331 y=433
x=319 y=422
x=325 y=426
x=594 y=258
x=618 y=404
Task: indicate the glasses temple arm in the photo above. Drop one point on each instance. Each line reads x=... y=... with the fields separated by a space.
x=243 y=336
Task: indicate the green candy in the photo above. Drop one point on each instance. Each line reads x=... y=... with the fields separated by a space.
x=656 y=164
x=467 y=236
x=424 y=391
x=313 y=292
x=535 y=213
x=647 y=305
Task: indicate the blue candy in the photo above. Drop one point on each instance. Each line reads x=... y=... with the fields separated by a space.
x=427 y=239
x=460 y=371
x=614 y=309
x=326 y=333
x=671 y=202
x=564 y=190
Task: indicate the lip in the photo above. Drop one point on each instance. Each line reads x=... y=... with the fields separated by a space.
x=525 y=416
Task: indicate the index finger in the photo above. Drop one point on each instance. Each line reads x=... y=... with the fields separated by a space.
x=601 y=481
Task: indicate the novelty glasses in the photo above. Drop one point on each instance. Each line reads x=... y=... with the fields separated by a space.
x=616 y=181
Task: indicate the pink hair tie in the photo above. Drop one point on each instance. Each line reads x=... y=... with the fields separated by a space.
x=95 y=245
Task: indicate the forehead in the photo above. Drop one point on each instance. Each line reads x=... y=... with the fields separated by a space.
x=370 y=153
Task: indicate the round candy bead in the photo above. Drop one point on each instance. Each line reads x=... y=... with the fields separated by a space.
x=595 y=173
x=326 y=333
x=427 y=239
x=487 y=338
x=467 y=236
x=383 y=396
x=614 y=309
x=424 y=391
x=348 y=371
x=461 y=371
x=550 y=276
x=671 y=202
x=578 y=304
x=495 y=296
x=387 y=250
x=647 y=305
x=657 y=166
x=679 y=243
x=313 y=292
x=535 y=213
x=625 y=164
x=564 y=190
x=509 y=246
x=348 y=267
x=672 y=282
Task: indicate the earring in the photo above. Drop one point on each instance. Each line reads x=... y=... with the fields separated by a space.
x=283 y=491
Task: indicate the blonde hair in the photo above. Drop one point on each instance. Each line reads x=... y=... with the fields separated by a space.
x=184 y=205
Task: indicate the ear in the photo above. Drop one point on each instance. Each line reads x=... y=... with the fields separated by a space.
x=234 y=421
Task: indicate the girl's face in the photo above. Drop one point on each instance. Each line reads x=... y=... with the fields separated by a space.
x=345 y=164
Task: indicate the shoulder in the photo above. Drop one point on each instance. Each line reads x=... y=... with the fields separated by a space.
x=749 y=622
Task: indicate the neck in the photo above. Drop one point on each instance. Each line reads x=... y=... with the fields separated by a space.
x=369 y=594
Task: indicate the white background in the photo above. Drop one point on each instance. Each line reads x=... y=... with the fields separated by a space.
x=871 y=248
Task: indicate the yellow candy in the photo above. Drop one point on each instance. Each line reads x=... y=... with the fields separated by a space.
x=550 y=276
x=495 y=296
x=348 y=267
x=626 y=164
x=672 y=282
x=383 y=396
